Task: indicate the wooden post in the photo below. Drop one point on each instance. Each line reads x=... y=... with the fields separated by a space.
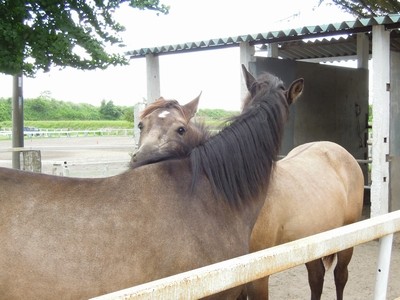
x=17 y=120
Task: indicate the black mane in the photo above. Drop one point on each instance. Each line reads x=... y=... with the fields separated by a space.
x=238 y=161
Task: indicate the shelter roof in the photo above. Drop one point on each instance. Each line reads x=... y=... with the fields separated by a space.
x=333 y=41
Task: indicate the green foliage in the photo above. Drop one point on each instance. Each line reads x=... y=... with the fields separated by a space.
x=128 y=115
x=215 y=118
x=5 y=109
x=49 y=109
x=368 y=8
x=216 y=114
x=109 y=111
x=46 y=112
x=44 y=108
x=38 y=34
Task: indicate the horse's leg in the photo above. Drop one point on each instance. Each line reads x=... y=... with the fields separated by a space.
x=258 y=289
x=243 y=294
x=341 y=272
x=316 y=274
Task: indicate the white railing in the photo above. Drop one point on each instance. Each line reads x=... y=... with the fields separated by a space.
x=71 y=133
x=215 y=278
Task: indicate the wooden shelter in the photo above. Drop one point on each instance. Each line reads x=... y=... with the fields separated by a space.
x=297 y=51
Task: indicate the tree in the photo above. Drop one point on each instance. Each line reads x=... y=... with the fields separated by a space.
x=109 y=111
x=38 y=34
x=368 y=8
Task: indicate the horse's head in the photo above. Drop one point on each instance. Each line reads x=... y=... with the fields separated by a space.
x=268 y=84
x=166 y=131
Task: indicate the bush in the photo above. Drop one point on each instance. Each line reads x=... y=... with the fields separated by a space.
x=5 y=109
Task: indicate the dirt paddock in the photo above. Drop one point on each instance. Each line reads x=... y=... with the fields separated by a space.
x=84 y=160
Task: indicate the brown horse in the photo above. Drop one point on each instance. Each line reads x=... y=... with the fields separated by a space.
x=165 y=125
x=76 y=238
x=316 y=187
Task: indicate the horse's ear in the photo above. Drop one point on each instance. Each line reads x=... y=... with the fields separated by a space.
x=190 y=108
x=248 y=78
x=295 y=90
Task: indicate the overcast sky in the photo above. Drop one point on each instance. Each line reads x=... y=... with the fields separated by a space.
x=215 y=73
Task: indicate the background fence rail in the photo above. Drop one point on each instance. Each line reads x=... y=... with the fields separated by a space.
x=71 y=133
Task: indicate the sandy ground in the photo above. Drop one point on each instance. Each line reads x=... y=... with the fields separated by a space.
x=112 y=156
x=83 y=157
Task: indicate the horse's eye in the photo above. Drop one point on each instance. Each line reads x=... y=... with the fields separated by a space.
x=140 y=125
x=181 y=130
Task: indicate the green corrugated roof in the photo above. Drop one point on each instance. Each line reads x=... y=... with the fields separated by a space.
x=283 y=37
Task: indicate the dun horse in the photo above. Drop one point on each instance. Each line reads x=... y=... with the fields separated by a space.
x=316 y=187
x=74 y=238
x=168 y=131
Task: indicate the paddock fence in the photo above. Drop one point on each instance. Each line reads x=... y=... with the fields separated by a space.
x=65 y=132
x=234 y=272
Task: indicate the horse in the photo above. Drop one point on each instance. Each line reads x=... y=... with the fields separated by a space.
x=77 y=238
x=318 y=186
x=169 y=126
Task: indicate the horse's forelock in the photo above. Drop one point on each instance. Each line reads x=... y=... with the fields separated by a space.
x=163 y=103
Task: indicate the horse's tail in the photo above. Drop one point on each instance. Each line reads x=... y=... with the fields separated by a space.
x=328 y=261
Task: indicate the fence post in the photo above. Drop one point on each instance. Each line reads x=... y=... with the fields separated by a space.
x=31 y=161
x=383 y=267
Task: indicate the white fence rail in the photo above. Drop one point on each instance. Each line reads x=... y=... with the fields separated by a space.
x=212 y=279
x=70 y=133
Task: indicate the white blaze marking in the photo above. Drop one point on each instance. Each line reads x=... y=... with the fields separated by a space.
x=163 y=114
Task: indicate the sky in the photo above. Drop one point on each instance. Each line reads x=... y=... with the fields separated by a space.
x=216 y=73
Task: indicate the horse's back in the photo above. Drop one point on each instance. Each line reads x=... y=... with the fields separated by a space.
x=341 y=171
x=316 y=187
x=78 y=238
